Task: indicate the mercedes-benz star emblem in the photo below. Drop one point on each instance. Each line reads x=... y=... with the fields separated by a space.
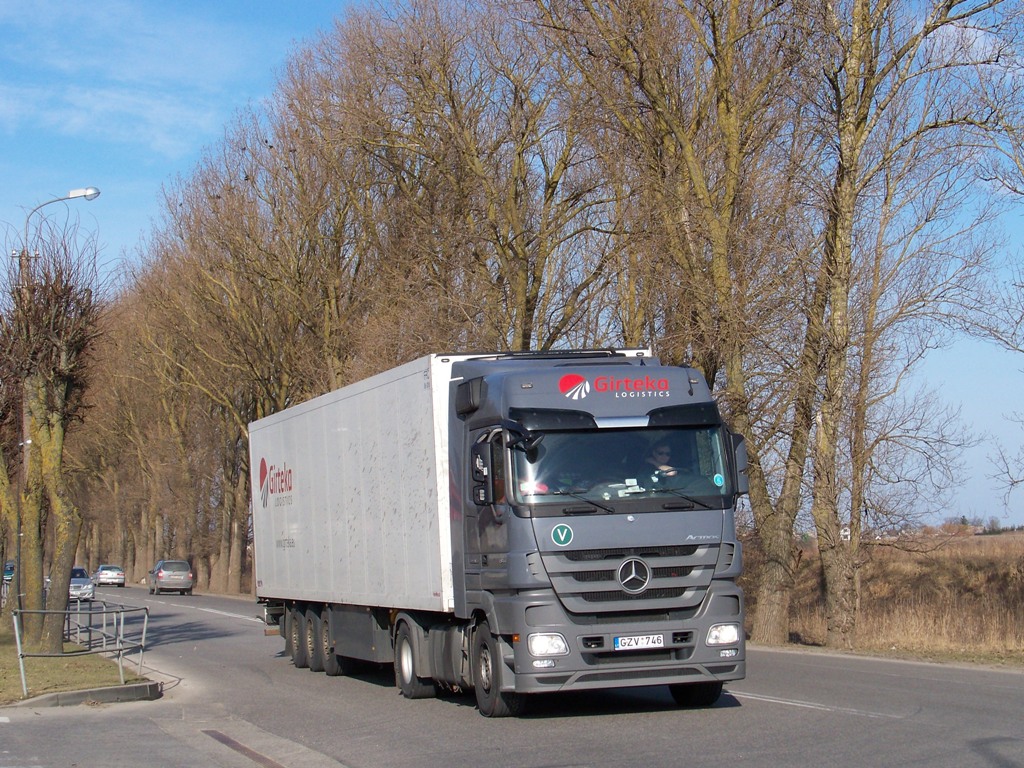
x=634 y=575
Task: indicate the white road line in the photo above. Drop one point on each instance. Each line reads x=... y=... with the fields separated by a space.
x=221 y=613
x=812 y=705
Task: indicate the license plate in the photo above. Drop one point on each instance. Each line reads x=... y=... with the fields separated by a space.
x=639 y=641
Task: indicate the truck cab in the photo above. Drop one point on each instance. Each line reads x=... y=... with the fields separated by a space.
x=600 y=541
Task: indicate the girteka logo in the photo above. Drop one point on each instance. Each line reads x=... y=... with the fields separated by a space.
x=576 y=387
x=274 y=480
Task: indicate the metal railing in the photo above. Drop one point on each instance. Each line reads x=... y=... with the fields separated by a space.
x=93 y=631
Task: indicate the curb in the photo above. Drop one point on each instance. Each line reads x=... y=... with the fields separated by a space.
x=147 y=691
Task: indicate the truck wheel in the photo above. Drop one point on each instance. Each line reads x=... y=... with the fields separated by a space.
x=284 y=626
x=297 y=638
x=487 y=670
x=333 y=665
x=314 y=655
x=695 y=694
x=411 y=685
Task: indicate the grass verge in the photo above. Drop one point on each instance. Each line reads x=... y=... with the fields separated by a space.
x=55 y=674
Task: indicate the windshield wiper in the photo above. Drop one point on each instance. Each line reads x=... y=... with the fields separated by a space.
x=577 y=495
x=681 y=495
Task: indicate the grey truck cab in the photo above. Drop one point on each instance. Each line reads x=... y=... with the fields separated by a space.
x=592 y=563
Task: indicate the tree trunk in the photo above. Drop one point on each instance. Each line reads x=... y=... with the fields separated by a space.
x=840 y=575
x=775 y=583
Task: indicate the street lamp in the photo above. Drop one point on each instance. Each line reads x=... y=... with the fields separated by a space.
x=89 y=193
x=24 y=278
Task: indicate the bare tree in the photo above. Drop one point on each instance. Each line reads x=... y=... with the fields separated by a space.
x=699 y=88
x=48 y=324
x=892 y=83
x=998 y=315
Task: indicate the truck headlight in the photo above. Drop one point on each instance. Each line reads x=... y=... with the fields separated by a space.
x=724 y=634
x=552 y=644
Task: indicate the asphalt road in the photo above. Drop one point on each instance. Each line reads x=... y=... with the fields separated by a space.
x=232 y=699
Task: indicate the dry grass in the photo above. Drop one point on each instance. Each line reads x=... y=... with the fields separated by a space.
x=963 y=600
x=50 y=675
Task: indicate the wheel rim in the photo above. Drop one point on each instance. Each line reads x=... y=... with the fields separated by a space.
x=310 y=638
x=405 y=660
x=484 y=671
x=325 y=639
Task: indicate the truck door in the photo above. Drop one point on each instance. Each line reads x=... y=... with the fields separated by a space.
x=486 y=532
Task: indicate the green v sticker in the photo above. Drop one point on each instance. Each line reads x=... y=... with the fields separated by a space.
x=561 y=534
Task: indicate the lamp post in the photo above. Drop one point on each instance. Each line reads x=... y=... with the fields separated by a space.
x=25 y=291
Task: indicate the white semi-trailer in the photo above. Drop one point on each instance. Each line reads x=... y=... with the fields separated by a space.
x=501 y=522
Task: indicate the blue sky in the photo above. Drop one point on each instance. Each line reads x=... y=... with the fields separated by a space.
x=125 y=95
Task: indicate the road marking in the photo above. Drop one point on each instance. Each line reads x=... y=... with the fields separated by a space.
x=229 y=615
x=812 y=705
x=241 y=749
x=5 y=719
x=213 y=610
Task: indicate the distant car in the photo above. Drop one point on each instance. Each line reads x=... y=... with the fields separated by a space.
x=108 y=576
x=8 y=570
x=171 y=575
x=81 y=586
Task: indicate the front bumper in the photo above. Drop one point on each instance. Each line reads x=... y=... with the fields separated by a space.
x=593 y=662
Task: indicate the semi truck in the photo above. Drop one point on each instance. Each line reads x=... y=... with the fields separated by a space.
x=499 y=523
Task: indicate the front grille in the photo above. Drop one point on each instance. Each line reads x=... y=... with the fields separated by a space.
x=586 y=581
x=657 y=573
x=587 y=555
x=650 y=594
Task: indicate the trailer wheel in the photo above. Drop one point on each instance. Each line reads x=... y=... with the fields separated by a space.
x=695 y=694
x=332 y=664
x=411 y=685
x=285 y=628
x=297 y=638
x=487 y=671
x=314 y=655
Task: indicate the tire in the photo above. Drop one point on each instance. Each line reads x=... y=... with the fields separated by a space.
x=409 y=683
x=333 y=665
x=314 y=651
x=285 y=628
x=696 y=694
x=487 y=674
x=297 y=632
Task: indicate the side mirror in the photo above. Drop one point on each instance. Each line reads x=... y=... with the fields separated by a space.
x=522 y=438
x=483 y=486
x=739 y=450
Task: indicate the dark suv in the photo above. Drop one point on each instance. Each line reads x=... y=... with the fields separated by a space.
x=171 y=575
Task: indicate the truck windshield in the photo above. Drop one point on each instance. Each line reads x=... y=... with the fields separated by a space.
x=606 y=465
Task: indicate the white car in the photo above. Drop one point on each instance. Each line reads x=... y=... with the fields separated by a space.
x=108 y=576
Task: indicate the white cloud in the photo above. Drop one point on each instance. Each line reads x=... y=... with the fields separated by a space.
x=150 y=75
